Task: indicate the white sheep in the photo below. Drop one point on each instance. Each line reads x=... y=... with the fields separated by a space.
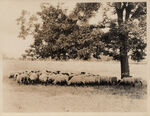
x=25 y=78
x=43 y=78
x=104 y=80
x=138 y=81
x=51 y=77
x=131 y=81
x=92 y=79
x=20 y=77
x=15 y=75
x=76 y=80
x=60 y=78
x=89 y=79
x=98 y=79
x=95 y=79
x=108 y=80
x=33 y=77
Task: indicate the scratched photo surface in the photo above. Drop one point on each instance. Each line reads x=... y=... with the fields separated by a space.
x=73 y=56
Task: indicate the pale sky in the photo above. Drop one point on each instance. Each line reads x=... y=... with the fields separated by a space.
x=10 y=10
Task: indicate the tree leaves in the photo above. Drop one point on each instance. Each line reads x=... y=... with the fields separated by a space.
x=84 y=11
x=62 y=36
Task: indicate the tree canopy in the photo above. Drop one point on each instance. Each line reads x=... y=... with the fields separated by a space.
x=62 y=36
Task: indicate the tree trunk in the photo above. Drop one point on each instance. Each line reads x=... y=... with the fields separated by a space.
x=124 y=66
x=125 y=71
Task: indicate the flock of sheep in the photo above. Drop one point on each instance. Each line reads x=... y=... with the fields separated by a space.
x=48 y=77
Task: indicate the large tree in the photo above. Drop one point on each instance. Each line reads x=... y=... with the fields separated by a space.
x=128 y=34
x=59 y=36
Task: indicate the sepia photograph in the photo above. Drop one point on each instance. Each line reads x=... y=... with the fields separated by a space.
x=74 y=56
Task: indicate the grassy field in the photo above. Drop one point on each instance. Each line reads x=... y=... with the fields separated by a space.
x=39 y=98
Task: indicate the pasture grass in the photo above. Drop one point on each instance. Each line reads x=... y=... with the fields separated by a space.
x=58 y=98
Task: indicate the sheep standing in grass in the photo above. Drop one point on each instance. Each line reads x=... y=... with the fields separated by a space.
x=104 y=80
x=43 y=78
x=130 y=81
x=88 y=79
x=77 y=79
x=113 y=80
x=127 y=81
x=108 y=80
x=16 y=74
x=11 y=75
x=60 y=79
x=20 y=78
x=25 y=79
x=51 y=78
x=33 y=77
x=92 y=79
x=138 y=81
x=98 y=79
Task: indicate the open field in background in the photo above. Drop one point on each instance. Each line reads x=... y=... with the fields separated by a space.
x=39 y=98
x=107 y=68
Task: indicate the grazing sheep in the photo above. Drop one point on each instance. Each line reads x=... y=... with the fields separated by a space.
x=51 y=77
x=138 y=81
x=11 y=75
x=60 y=78
x=113 y=80
x=98 y=79
x=44 y=78
x=89 y=79
x=25 y=79
x=33 y=77
x=104 y=80
x=92 y=79
x=130 y=81
x=20 y=78
x=108 y=80
x=16 y=74
x=78 y=79
x=126 y=81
